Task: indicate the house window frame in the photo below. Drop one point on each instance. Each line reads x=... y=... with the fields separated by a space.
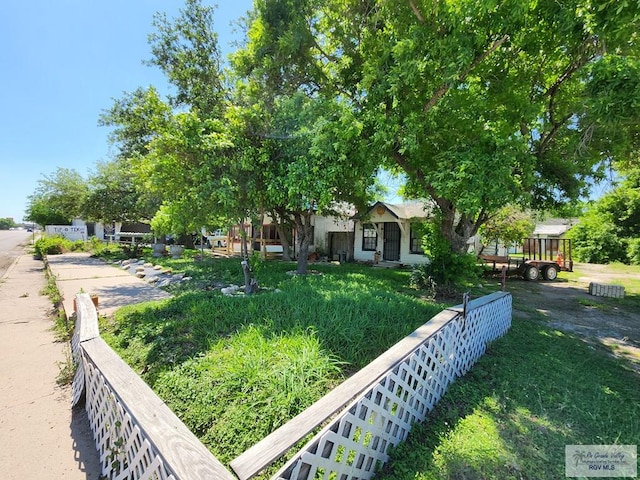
x=415 y=238
x=367 y=228
x=270 y=233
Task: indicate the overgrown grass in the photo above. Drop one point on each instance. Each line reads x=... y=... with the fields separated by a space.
x=235 y=368
x=535 y=391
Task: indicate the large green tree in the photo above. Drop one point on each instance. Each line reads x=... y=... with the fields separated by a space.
x=58 y=198
x=115 y=194
x=308 y=172
x=233 y=151
x=310 y=140
x=609 y=231
x=478 y=103
x=173 y=145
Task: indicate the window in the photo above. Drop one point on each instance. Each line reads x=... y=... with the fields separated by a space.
x=369 y=237
x=270 y=233
x=415 y=240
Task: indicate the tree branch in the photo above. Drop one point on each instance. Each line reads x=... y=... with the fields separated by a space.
x=546 y=139
x=416 y=11
x=444 y=88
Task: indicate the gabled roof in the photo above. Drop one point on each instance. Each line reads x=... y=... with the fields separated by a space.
x=554 y=226
x=401 y=211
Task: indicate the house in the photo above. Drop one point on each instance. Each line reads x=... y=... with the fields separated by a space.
x=553 y=228
x=332 y=236
x=388 y=232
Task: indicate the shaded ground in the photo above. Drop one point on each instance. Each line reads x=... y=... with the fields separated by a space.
x=567 y=306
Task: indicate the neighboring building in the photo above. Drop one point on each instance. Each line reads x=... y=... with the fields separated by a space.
x=93 y=229
x=332 y=237
x=553 y=228
x=125 y=232
x=546 y=239
x=387 y=232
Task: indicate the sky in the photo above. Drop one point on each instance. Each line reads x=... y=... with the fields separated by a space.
x=63 y=63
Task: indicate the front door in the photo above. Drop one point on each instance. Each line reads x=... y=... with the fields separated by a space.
x=391 y=250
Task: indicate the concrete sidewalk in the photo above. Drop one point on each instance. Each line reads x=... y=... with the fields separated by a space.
x=40 y=436
x=115 y=287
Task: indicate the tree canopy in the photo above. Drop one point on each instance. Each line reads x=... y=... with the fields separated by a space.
x=58 y=198
x=609 y=231
x=478 y=103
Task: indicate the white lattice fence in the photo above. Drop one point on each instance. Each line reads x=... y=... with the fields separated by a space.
x=487 y=318
x=136 y=435
x=355 y=443
x=124 y=452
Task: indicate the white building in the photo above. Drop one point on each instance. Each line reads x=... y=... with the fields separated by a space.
x=387 y=232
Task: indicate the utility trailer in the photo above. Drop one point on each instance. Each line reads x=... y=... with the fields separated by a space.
x=539 y=257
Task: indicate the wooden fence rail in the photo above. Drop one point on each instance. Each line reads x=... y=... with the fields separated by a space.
x=138 y=437
x=375 y=408
x=136 y=434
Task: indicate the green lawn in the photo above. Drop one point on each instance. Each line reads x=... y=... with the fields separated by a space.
x=535 y=391
x=236 y=368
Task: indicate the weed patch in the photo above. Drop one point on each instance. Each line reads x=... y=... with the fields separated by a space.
x=236 y=368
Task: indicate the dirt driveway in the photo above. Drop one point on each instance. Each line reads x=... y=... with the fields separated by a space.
x=567 y=306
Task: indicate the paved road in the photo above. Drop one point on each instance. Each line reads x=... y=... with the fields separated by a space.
x=12 y=244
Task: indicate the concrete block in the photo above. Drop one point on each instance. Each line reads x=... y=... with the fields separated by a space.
x=604 y=290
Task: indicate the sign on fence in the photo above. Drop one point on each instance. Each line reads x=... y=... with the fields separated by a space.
x=70 y=232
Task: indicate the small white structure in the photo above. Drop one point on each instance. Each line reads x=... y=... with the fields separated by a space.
x=553 y=228
x=70 y=232
x=386 y=232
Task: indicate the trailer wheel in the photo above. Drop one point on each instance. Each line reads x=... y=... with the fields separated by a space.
x=531 y=273
x=550 y=272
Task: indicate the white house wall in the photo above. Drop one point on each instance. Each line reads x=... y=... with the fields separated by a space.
x=405 y=241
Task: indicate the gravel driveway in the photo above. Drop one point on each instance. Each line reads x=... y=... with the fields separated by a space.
x=567 y=306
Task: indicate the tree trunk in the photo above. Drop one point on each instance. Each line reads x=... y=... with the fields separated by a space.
x=283 y=226
x=243 y=242
x=284 y=240
x=257 y=233
x=250 y=284
x=457 y=229
x=304 y=229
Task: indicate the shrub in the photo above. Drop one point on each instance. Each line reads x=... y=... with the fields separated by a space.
x=596 y=240
x=55 y=245
x=447 y=271
x=420 y=278
x=633 y=251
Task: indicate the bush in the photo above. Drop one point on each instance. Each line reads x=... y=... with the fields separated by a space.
x=50 y=246
x=596 y=240
x=633 y=251
x=420 y=278
x=447 y=271
x=55 y=245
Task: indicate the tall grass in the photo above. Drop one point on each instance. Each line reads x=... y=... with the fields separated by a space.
x=236 y=368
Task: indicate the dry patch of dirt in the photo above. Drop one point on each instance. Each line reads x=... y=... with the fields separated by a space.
x=567 y=306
